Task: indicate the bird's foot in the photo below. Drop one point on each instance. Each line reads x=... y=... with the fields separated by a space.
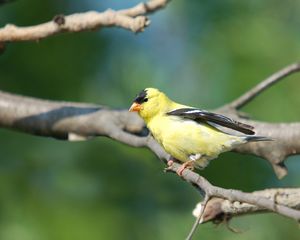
x=169 y=163
x=187 y=165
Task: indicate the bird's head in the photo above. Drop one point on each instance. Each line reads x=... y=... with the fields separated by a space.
x=150 y=102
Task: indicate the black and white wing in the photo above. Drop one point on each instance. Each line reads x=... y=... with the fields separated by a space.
x=205 y=116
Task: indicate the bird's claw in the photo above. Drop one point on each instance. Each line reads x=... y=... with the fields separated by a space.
x=180 y=171
x=187 y=165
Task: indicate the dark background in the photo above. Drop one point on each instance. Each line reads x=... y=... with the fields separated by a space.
x=201 y=53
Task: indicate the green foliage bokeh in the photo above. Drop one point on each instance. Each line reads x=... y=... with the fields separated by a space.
x=201 y=53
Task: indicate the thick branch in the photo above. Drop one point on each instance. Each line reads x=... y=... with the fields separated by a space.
x=64 y=119
x=70 y=120
x=127 y=19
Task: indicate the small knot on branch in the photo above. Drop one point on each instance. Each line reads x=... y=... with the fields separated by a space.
x=59 y=19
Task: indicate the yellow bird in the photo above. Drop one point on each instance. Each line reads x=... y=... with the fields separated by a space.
x=188 y=134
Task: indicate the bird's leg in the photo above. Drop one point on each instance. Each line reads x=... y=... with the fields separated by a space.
x=187 y=165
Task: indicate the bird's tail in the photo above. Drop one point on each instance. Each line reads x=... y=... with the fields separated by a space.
x=258 y=139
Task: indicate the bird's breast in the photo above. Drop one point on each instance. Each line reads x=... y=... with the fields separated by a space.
x=182 y=137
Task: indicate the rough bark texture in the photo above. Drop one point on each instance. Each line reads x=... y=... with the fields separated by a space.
x=220 y=210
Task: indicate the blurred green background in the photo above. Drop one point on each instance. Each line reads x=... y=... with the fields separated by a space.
x=202 y=53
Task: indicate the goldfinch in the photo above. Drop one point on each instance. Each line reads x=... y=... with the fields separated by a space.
x=188 y=134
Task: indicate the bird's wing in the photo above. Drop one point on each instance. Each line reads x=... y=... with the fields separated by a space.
x=205 y=116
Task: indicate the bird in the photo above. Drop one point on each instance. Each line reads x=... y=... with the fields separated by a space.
x=190 y=135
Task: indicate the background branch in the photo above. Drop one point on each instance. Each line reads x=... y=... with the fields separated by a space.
x=128 y=19
x=265 y=84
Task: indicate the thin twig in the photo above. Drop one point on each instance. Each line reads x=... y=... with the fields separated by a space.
x=199 y=219
x=265 y=84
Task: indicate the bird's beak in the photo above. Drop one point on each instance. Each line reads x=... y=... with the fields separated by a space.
x=135 y=107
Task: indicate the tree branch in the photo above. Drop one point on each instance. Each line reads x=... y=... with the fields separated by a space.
x=219 y=210
x=71 y=120
x=144 y=8
x=128 y=19
x=286 y=135
x=286 y=141
x=60 y=119
x=199 y=217
x=236 y=195
x=265 y=84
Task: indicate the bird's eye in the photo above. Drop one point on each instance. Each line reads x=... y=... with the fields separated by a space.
x=146 y=100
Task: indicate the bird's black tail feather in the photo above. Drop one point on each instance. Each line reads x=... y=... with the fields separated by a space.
x=258 y=139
